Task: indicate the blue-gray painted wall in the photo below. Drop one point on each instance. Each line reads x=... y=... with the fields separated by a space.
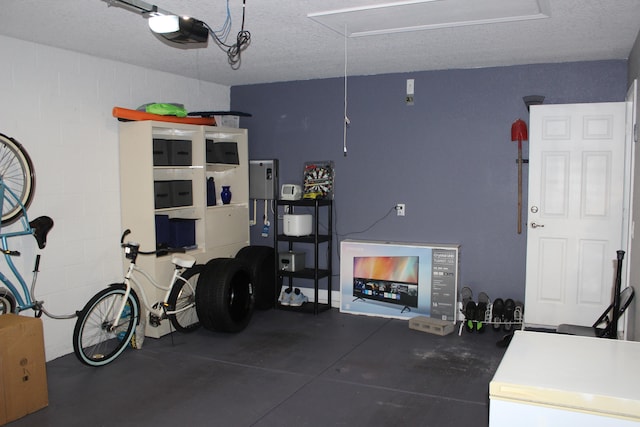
x=449 y=157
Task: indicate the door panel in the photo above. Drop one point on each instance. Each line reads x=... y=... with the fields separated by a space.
x=591 y=271
x=575 y=210
x=555 y=185
x=552 y=261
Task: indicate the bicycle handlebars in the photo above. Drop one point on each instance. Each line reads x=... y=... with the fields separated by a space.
x=136 y=247
x=124 y=234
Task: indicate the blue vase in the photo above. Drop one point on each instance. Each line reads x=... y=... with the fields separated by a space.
x=225 y=195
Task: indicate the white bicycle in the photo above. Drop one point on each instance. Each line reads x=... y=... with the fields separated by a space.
x=108 y=321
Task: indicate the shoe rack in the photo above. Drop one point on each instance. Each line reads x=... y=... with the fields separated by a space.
x=315 y=273
x=517 y=323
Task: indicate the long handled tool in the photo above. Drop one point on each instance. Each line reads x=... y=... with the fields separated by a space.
x=519 y=133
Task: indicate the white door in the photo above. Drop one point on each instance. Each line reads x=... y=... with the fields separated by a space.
x=575 y=211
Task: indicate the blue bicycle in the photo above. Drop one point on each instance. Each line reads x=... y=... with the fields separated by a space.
x=17 y=185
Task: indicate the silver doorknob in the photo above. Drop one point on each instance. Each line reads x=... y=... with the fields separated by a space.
x=534 y=225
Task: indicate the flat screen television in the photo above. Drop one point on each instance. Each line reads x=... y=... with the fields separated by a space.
x=391 y=279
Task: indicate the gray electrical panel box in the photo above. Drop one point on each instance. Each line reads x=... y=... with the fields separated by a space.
x=263 y=179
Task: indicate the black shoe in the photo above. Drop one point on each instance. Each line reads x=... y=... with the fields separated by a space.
x=504 y=342
x=497 y=314
x=470 y=315
x=509 y=308
x=466 y=295
x=480 y=319
x=481 y=311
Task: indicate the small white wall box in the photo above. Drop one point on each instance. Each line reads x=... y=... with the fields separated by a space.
x=291 y=261
x=296 y=225
x=431 y=325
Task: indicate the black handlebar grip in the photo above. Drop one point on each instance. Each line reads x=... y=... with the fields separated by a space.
x=36 y=268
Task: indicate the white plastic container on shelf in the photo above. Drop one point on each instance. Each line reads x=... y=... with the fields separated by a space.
x=297 y=225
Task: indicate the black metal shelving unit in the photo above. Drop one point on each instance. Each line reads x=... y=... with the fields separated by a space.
x=316 y=239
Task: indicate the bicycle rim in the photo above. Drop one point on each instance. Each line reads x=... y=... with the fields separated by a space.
x=95 y=342
x=7 y=302
x=18 y=175
x=182 y=301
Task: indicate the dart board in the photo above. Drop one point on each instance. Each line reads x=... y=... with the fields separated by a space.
x=318 y=180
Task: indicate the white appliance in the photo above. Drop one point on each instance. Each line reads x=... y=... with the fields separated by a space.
x=291 y=261
x=291 y=192
x=565 y=380
x=296 y=225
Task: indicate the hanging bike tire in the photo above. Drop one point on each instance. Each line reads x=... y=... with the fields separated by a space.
x=18 y=176
x=224 y=297
x=7 y=302
x=261 y=261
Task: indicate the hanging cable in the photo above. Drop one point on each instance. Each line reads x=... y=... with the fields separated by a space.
x=234 y=51
x=347 y=122
x=225 y=30
x=265 y=216
x=265 y=220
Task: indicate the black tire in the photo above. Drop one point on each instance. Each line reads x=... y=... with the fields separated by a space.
x=94 y=342
x=224 y=300
x=7 y=302
x=18 y=175
x=261 y=262
x=183 y=297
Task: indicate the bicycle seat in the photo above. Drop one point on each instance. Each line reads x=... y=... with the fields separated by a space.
x=182 y=260
x=41 y=227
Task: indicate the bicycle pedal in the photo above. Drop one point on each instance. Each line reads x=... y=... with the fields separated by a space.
x=154 y=320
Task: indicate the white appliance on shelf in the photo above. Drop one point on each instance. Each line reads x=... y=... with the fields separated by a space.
x=297 y=225
x=291 y=192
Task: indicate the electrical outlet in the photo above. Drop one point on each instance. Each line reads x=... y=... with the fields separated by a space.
x=400 y=209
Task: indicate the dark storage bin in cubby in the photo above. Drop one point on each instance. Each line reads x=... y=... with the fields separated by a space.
x=162 y=230
x=162 y=194
x=180 y=152
x=182 y=232
x=222 y=152
x=174 y=193
x=160 y=152
x=181 y=193
x=175 y=232
x=171 y=152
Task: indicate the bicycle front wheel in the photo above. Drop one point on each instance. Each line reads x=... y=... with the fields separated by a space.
x=98 y=338
x=7 y=302
x=182 y=301
x=17 y=176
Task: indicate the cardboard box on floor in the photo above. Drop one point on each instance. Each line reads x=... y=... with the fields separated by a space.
x=23 y=375
x=431 y=325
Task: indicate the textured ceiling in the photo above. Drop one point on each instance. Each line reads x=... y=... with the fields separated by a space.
x=286 y=45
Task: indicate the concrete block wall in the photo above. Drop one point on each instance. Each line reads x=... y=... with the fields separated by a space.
x=58 y=104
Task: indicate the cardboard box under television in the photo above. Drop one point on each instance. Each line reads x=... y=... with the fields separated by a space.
x=23 y=375
x=399 y=280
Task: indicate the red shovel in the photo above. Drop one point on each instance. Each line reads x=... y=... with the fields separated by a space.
x=519 y=133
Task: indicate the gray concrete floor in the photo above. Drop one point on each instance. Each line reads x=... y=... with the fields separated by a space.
x=285 y=369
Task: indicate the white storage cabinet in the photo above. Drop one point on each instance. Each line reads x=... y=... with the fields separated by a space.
x=220 y=230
